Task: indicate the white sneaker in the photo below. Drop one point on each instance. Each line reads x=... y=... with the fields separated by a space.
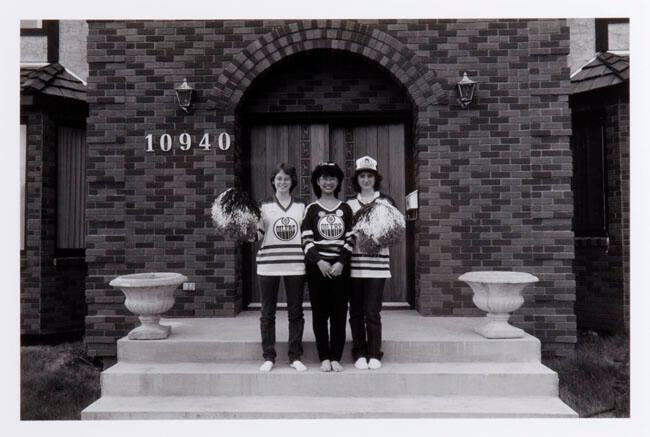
x=361 y=363
x=374 y=364
x=336 y=366
x=298 y=365
x=266 y=366
x=325 y=366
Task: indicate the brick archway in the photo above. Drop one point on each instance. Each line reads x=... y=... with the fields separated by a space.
x=420 y=82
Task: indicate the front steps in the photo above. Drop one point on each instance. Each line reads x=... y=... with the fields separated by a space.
x=433 y=367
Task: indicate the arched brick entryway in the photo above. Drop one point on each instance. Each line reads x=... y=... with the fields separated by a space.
x=420 y=85
x=369 y=42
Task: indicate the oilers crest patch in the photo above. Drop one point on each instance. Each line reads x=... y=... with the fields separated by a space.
x=285 y=228
x=331 y=227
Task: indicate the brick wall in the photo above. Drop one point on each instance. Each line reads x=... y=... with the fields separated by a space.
x=316 y=82
x=30 y=257
x=494 y=179
x=602 y=267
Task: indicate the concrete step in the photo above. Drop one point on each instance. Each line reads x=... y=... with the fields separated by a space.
x=393 y=379
x=407 y=337
x=306 y=407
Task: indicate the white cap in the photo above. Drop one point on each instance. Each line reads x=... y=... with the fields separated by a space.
x=366 y=163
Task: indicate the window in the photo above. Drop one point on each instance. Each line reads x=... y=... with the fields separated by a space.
x=612 y=34
x=71 y=188
x=35 y=31
x=23 y=178
x=589 y=174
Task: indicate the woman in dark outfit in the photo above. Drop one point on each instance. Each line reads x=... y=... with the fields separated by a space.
x=327 y=241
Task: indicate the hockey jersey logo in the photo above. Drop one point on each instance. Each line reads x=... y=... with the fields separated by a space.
x=331 y=227
x=285 y=228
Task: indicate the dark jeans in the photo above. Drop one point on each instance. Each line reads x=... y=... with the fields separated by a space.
x=294 y=286
x=329 y=302
x=365 y=317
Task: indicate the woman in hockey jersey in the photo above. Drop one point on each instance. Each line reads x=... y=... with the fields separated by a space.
x=368 y=274
x=327 y=241
x=279 y=256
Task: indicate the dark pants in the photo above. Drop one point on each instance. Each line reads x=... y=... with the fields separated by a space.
x=329 y=302
x=365 y=317
x=294 y=286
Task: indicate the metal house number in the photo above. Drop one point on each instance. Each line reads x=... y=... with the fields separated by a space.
x=165 y=142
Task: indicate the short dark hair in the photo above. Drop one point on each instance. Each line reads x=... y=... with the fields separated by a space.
x=326 y=169
x=289 y=170
x=355 y=179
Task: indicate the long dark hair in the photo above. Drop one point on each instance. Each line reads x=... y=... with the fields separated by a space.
x=289 y=171
x=326 y=169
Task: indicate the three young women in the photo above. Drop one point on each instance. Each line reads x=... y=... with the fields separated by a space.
x=337 y=270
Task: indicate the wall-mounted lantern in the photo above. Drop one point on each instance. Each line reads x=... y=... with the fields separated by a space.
x=412 y=205
x=466 y=89
x=184 y=94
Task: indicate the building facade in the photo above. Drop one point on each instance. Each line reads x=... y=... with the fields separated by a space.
x=494 y=180
x=119 y=179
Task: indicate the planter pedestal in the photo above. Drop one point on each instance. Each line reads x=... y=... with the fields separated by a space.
x=498 y=294
x=148 y=295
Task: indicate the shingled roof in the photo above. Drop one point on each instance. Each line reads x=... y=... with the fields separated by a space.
x=604 y=70
x=52 y=79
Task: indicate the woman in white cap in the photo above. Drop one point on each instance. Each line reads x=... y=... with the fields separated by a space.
x=368 y=275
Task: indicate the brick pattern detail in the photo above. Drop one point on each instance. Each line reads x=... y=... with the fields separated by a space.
x=30 y=259
x=494 y=180
x=316 y=82
x=602 y=268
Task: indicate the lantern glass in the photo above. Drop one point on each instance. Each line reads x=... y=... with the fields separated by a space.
x=466 y=89
x=184 y=94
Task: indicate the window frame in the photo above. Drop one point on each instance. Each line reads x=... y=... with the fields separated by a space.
x=602 y=229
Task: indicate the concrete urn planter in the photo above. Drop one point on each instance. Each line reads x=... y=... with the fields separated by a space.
x=498 y=294
x=148 y=295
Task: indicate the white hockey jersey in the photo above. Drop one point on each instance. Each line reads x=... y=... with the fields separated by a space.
x=281 y=251
x=363 y=265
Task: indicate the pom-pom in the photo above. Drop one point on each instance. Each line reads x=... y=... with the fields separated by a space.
x=378 y=225
x=235 y=215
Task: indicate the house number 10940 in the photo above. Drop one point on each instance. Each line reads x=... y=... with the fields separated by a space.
x=166 y=142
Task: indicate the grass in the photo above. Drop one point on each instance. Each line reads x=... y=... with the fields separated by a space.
x=596 y=381
x=57 y=382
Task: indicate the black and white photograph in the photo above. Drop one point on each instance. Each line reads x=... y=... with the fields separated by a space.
x=364 y=220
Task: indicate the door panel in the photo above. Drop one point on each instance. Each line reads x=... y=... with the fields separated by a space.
x=270 y=145
x=304 y=146
x=384 y=142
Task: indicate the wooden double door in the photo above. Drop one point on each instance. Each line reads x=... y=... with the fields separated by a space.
x=306 y=145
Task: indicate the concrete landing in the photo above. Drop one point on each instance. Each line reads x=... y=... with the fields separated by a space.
x=407 y=337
